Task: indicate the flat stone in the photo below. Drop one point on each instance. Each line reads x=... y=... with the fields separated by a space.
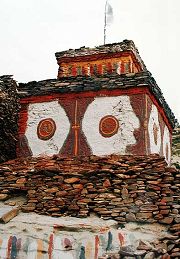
x=166 y=220
x=130 y=217
x=149 y=207
x=149 y=255
x=127 y=250
x=176 y=254
x=78 y=186
x=21 y=180
x=52 y=190
x=3 y=197
x=72 y=180
x=143 y=245
x=7 y=213
x=175 y=227
x=144 y=215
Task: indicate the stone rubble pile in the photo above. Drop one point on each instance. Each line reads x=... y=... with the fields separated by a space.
x=9 y=108
x=125 y=188
x=164 y=248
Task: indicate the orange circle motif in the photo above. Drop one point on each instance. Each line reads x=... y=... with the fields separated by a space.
x=46 y=129
x=108 y=126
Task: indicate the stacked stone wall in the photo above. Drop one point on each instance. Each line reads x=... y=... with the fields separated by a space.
x=125 y=188
x=139 y=189
x=9 y=108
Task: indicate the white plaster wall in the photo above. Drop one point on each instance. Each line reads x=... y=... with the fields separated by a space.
x=119 y=107
x=154 y=148
x=166 y=141
x=38 y=112
x=34 y=232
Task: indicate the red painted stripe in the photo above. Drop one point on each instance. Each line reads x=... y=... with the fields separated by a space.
x=96 y=247
x=121 y=239
x=109 y=67
x=91 y=70
x=122 y=69
x=9 y=247
x=100 y=70
x=84 y=71
x=74 y=71
x=50 y=248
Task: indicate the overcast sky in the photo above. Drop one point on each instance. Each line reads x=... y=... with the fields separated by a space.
x=31 y=31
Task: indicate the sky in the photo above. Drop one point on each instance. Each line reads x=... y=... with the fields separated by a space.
x=31 y=31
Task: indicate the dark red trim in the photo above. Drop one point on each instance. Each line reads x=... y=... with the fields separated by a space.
x=122 y=69
x=105 y=92
x=23 y=117
x=74 y=71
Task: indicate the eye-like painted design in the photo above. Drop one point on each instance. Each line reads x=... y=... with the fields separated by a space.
x=46 y=129
x=166 y=145
x=154 y=131
x=108 y=126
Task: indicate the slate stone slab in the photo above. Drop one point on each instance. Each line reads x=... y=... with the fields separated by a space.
x=7 y=213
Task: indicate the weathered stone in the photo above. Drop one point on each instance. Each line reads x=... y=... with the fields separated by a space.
x=149 y=255
x=175 y=227
x=164 y=212
x=170 y=247
x=52 y=190
x=124 y=193
x=3 y=197
x=73 y=207
x=144 y=215
x=106 y=183
x=177 y=219
x=72 y=180
x=143 y=245
x=175 y=254
x=130 y=217
x=127 y=251
x=166 y=220
x=148 y=207
x=78 y=186
x=7 y=213
x=61 y=193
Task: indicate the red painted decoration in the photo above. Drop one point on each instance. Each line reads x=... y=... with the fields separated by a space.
x=100 y=69
x=108 y=126
x=74 y=71
x=46 y=129
x=122 y=68
x=84 y=71
x=109 y=67
x=91 y=70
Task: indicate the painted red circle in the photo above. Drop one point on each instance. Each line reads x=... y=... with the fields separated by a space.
x=46 y=129
x=108 y=126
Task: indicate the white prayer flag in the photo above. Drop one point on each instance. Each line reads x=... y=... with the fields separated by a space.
x=109 y=14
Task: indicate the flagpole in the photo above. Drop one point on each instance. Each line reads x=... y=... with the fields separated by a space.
x=105 y=22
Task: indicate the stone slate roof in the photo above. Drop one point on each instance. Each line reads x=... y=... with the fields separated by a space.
x=86 y=83
x=126 y=45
